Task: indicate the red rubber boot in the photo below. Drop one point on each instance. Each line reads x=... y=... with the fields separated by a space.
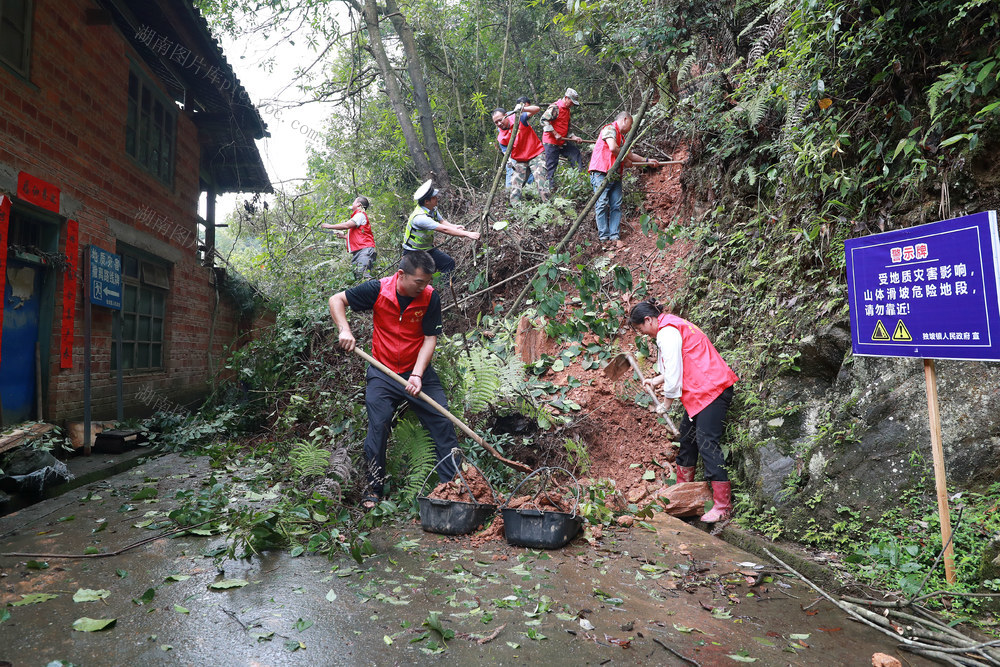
x=685 y=474
x=722 y=494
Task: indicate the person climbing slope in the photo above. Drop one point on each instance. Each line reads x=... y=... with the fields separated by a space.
x=360 y=240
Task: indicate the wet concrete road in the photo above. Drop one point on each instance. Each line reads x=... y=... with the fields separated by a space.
x=637 y=598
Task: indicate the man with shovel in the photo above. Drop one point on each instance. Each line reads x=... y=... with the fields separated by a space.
x=556 y=135
x=407 y=322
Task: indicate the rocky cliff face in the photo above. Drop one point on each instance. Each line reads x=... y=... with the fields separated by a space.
x=853 y=431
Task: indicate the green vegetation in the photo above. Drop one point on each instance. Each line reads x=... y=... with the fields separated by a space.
x=805 y=122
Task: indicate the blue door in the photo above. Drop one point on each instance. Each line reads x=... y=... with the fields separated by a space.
x=22 y=296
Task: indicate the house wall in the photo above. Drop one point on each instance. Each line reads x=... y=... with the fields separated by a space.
x=65 y=125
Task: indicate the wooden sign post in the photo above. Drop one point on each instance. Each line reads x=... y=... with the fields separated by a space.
x=940 y=478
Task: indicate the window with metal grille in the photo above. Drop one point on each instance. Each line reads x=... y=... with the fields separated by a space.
x=15 y=34
x=149 y=128
x=143 y=312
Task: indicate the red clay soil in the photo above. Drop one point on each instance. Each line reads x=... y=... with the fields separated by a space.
x=493 y=532
x=455 y=490
x=623 y=440
x=556 y=500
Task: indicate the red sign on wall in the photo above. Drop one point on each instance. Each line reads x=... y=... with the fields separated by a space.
x=4 y=223
x=69 y=295
x=37 y=192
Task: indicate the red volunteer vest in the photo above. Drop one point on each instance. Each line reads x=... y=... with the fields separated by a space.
x=705 y=374
x=602 y=159
x=360 y=237
x=397 y=337
x=526 y=144
x=503 y=136
x=560 y=124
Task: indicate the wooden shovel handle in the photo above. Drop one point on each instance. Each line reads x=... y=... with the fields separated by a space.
x=516 y=465
x=652 y=394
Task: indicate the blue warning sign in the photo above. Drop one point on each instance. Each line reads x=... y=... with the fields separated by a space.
x=105 y=278
x=929 y=291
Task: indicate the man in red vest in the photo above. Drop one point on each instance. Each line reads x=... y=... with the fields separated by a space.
x=360 y=240
x=407 y=322
x=608 y=209
x=526 y=151
x=557 y=137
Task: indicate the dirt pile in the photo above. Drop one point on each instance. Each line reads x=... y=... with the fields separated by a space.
x=559 y=500
x=469 y=480
x=492 y=533
x=622 y=441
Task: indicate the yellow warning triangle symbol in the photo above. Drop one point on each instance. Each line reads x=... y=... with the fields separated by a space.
x=901 y=334
x=880 y=332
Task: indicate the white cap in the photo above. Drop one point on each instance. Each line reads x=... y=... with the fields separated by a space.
x=425 y=191
x=573 y=96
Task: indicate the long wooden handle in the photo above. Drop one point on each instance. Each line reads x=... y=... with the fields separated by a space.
x=516 y=465
x=652 y=394
x=659 y=163
x=642 y=379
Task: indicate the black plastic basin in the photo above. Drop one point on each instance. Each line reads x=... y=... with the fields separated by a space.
x=452 y=517
x=540 y=530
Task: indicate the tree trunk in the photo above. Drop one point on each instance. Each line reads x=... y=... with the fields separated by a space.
x=420 y=96
x=396 y=100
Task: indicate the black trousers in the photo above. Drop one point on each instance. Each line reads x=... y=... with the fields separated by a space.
x=382 y=396
x=702 y=435
x=552 y=155
x=442 y=262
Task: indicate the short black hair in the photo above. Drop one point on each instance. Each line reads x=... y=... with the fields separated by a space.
x=417 y=259
x=644 y=309
x=524 y=99
x=363 y=201
x=498 y=110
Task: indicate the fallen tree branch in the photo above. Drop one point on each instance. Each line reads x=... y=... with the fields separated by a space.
x=949 y=654
x=493 y=635
x=944 y=547
x=17 y=554
x=494 y=285
x=679 y=655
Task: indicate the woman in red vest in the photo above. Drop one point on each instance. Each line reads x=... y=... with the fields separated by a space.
x=692 y=370
x=608 y=209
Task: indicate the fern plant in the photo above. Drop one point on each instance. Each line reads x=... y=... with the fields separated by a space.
x=490 y=378
x=412 y=456
x=308 y=459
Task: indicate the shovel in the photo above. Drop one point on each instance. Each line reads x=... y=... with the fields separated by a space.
x=659 y=163
x=516 y=465
x=619 y=365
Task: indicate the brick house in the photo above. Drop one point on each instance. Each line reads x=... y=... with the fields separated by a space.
x=115 y=116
